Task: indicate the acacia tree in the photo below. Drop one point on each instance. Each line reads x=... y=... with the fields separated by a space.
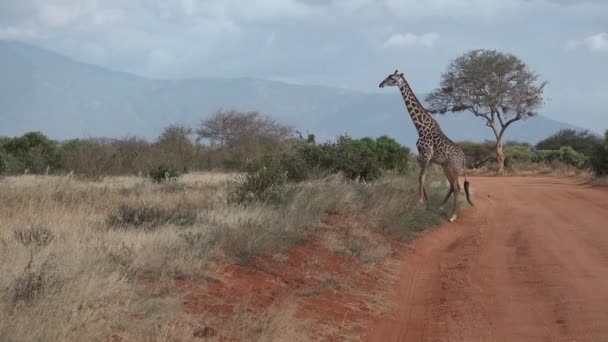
x=494 y=86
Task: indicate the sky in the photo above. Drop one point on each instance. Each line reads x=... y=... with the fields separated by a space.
x=351 y=44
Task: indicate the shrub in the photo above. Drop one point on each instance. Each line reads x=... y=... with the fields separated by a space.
x=296 y=168
x=517 y=153
x=356 y=159
x=33 y=151
x=165 y=172
x=571 y=157
x=264 y=180
x=583 y=142
x=478 y=154
x=392 y=155
x=35 y=281
x=38 y=236
x=599 y=159
x=3 y=164
x=143 y=217
x=565 y=154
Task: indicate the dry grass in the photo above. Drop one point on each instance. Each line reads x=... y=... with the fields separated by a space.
x=531 y=169
x=74 y=258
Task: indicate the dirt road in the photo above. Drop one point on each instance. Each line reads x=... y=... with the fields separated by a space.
x=528 y=263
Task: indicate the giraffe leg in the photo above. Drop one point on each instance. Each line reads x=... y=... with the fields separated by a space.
x=426 y=197
x=456 y=191
x=450 y=190
x=421 y=180
x=447 y=197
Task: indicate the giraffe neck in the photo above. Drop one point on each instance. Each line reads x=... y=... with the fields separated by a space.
x=419 y=115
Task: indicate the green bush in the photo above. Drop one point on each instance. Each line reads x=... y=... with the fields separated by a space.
x=296 y=168
x=571 y=157
x=565 y=154
x=583 y=142
x=264 y=181
x=356 y=159
x=392 y=155
x=3 y=164
x=517 y=153
x=599 y=159
x=34 y=152
x=165 y=172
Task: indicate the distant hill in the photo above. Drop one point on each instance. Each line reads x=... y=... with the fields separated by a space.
x=45 y=91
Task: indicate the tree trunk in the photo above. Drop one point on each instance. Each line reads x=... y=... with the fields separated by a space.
x=500 y=158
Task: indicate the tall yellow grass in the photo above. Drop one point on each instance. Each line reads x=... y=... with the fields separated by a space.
x=86 y=284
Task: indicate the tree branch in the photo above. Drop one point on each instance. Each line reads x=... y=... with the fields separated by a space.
x=502 y=123
x=492 y=125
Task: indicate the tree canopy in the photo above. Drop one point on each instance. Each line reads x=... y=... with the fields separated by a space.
x=494 y=86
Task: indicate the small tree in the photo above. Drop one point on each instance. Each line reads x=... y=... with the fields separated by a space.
x=175 y=135
x=496 y=87
x=231 y=128
x=175 y=146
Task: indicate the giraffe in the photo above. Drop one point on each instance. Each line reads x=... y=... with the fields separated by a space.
x=433 y=145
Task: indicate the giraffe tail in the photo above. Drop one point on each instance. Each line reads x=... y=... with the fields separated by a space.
x=467 y=192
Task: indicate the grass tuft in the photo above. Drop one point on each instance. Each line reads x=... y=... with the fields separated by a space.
x=146 y=217
x=33 y=236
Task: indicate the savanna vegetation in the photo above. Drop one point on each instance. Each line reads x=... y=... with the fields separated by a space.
x=98 y=238
x=87 y=259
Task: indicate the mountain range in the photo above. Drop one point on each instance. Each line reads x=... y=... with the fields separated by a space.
x=44 y=91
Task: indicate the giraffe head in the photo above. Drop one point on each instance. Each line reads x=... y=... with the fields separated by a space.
x=392 y=80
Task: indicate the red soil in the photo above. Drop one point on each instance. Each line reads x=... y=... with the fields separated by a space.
x=326 y=287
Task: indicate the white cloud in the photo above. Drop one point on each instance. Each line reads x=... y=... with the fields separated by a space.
x=16 y=33
x=597 y=42
x=260 y=10
x=106 y=17
x=481 y=9
x=58 y=15
x=400 y=40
